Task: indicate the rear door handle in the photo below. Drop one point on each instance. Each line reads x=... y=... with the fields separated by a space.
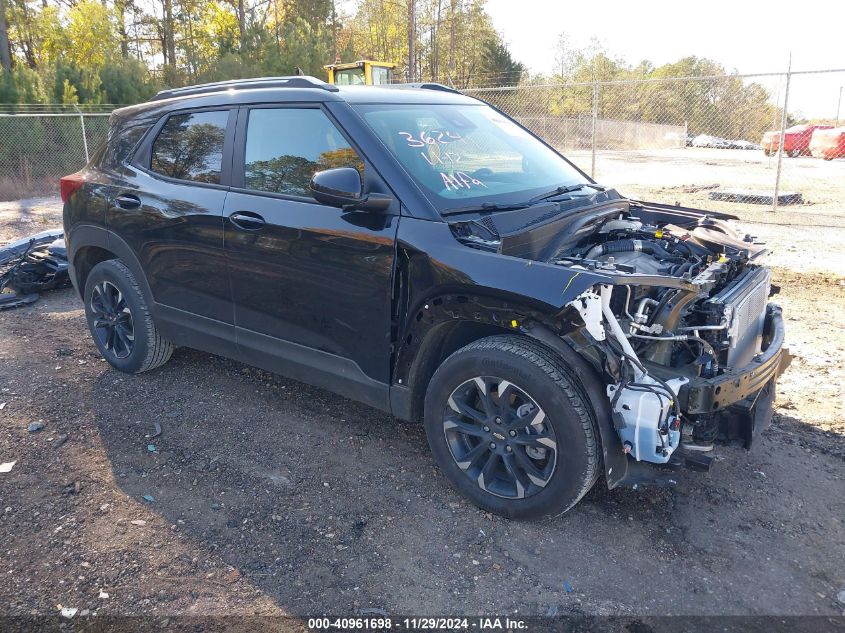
x=127 y=201
x=247 y=220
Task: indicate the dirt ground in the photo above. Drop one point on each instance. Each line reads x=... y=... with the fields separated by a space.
x=688 y=175
x=267 y=496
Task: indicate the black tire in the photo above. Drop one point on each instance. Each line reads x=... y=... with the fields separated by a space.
x=121 y=314
x=535 y=373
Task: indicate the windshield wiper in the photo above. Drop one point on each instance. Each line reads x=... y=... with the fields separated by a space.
x=492 y=206
x=487 y=206
x=559 y=191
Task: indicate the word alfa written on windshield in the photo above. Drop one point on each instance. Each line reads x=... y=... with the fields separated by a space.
x=458 y=180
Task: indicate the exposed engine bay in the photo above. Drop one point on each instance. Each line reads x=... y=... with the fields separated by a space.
x=686 y=302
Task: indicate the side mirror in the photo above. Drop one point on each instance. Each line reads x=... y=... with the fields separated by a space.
x=342 y=187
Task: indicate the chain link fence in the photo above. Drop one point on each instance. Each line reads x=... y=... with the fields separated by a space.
x=704 y=142
x=37 y=148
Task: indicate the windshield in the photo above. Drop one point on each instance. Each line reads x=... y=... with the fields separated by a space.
x=468 y=154
x=350 y=77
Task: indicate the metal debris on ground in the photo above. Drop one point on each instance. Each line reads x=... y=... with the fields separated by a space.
x=157 y=431
x=6 y=467
x=32 y=265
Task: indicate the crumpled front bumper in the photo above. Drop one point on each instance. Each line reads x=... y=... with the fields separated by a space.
x=747 y=392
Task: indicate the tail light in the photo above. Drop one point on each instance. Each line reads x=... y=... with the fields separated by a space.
x=70 y=184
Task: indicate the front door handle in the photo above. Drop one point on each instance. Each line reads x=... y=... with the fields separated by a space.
x=247 y=220
x=127 y=201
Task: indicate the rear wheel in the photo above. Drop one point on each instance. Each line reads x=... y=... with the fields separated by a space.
x=510 y=426
x=120 y=321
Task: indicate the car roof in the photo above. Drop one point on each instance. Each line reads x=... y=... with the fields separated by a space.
x=291 y=90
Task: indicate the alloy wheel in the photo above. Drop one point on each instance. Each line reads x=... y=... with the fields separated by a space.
x=113 y=324
x=500 y=437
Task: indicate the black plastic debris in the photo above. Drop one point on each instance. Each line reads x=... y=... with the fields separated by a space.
x=32 y=265
x=755 y=197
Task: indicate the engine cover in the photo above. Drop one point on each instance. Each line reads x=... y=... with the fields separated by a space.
x=642 y=263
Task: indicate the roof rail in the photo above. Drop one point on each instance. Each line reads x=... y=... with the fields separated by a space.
x=294 y=81
x=424 y=85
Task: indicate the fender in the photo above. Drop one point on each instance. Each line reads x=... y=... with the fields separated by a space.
x=82 y=235
x=614 y=459
x=458 y=308
x=434 y=262
x=497 y=314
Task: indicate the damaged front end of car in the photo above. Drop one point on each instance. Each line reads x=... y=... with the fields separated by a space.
x=681 y=330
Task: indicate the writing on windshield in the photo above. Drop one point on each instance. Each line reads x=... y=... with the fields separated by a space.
x=433 y=152
x=467 y=151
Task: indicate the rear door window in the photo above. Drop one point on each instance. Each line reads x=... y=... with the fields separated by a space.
x=286 y=146
x=190 y=146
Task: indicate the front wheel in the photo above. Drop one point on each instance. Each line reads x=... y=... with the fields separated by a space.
x=511 y=427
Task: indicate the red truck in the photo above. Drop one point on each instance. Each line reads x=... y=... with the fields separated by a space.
x=796 y=140
x=828 y=144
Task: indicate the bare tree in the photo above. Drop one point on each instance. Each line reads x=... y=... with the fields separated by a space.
x=241 y=25
x=453 y=10
x=412 y=38
x=121 y=7
x=168 y=37
x=435 y=48
x=5 y=52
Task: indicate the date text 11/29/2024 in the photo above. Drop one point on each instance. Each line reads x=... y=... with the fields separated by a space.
x=416 y=624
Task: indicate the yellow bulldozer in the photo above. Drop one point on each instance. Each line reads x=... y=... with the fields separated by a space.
x=364 y=72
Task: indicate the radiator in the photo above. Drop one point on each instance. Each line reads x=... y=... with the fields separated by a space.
x=743 y=307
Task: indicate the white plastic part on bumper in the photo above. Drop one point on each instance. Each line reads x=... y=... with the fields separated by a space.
x=643 y=412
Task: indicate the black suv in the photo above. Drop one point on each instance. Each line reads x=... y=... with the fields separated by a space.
x=418 y=250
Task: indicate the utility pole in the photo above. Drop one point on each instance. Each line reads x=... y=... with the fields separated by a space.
x=838 y=104
x=412 y=36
